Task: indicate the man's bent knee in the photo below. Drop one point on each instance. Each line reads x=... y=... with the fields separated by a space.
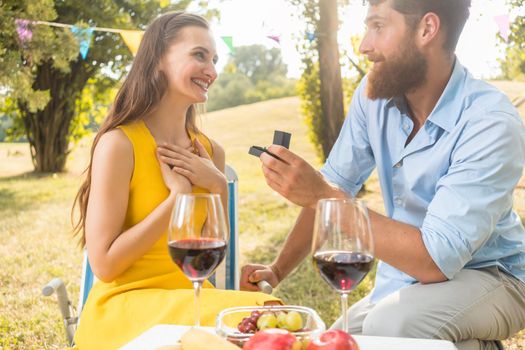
x=390 y=319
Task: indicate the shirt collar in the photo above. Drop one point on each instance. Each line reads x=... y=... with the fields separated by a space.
x=449 y=106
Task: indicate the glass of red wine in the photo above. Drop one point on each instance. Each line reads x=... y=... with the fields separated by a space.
x=342 y=246
x=197 y=238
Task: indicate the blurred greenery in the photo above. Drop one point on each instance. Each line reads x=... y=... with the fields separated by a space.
x=513 y=63
x=253 y=73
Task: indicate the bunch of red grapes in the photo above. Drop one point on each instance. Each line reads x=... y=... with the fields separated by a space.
x=249 y=324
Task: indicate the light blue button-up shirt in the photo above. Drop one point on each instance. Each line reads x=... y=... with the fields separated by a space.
x=454 y=180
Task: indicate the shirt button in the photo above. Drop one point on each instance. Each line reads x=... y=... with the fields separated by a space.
x=406 y=126
x=398 y=164
x=398 y=201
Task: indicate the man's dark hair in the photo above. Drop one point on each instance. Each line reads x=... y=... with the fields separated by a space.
x=452 y=13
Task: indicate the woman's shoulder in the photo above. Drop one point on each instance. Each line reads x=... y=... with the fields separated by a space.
x=114 y=146
x=115 y=140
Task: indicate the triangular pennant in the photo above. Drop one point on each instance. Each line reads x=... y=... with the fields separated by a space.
x=228 y=40
x=503 y=23
x=132 y=39
x=24 y=30
x=310 y=36
x=83 y=36
x=275 y=38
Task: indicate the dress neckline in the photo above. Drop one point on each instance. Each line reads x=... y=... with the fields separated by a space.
x=142 y=123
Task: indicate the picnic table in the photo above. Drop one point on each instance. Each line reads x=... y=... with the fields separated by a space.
x=168 y=334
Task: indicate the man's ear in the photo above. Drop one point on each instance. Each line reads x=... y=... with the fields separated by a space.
x=429 y=29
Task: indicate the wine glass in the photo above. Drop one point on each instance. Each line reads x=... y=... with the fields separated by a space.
x=342 y=246
x=197 y=238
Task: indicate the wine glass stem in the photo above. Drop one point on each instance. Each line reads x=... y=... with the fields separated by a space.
x=344 y=310
x=197 y=289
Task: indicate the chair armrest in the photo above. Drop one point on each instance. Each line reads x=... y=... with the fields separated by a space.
x=56 y=285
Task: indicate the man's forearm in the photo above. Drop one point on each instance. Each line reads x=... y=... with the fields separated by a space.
x=297 y=245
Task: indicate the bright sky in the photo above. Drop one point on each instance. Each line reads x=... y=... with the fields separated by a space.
x=250 y=21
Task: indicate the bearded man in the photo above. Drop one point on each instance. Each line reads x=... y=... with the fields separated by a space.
x=449 y=151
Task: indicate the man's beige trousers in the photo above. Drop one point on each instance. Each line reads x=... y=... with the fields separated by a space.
x=474 y=310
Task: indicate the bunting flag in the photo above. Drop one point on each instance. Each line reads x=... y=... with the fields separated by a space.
x=310 y=36
x=503 y=23
x=228 y=40
x=132 y=38
x=275 y=38
x=23 y=29
x=83 y=36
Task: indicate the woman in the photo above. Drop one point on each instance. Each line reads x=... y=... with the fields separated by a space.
x=147 y=151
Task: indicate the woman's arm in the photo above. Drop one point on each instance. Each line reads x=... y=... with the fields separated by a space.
x=110 y=250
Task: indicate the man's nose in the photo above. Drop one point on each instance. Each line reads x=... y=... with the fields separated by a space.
x=365 y=47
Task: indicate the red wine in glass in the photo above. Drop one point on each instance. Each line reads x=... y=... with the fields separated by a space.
x=197 y=258
x=197 y=238
x=343 y=270
x=342 y=245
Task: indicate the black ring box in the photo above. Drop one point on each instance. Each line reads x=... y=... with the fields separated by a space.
x=281 y=138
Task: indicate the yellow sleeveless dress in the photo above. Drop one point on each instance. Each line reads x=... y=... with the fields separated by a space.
x=153 y=290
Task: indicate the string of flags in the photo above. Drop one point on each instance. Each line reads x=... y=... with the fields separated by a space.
x=132 y=38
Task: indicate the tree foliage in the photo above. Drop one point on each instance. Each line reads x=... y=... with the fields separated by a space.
x=253 y=73
x=51 y=92
x=513 y=65
x=258 y=63
x=356 y=65
x=309 y=86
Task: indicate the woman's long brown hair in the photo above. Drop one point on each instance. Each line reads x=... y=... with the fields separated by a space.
x=139 y=94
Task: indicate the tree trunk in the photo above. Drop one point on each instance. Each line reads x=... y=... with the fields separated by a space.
x=330 y=74
x=48 y=130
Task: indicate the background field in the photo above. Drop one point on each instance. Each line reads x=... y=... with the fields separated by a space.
x=35 y=232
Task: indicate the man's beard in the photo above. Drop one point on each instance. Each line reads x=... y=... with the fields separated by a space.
x=398 y=75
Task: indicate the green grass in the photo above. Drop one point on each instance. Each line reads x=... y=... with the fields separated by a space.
x=35 y=246
x=35 y=231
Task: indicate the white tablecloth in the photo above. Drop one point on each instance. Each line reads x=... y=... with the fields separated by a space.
x=167 y=334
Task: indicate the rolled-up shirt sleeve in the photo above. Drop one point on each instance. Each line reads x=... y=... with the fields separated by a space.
x=471 y=197
x=351 y=159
